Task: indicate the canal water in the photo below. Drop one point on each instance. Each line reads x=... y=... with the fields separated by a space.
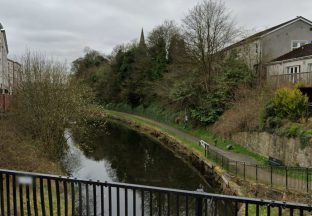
x=119 y=154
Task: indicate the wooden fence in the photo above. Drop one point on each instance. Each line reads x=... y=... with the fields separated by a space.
x=286 y=79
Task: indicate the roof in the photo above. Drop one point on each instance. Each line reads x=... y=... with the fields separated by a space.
x=4 y=35
x=303 y=51
x=268 y=31
x=10 y=60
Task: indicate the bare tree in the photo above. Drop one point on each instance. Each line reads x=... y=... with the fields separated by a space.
x=208 y=28
x=164 y=32
x=45 y=101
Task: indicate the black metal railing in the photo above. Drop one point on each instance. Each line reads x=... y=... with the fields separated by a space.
x=280 y=177
x=24 y=193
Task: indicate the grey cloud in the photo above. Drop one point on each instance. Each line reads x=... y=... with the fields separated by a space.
x=62 y=28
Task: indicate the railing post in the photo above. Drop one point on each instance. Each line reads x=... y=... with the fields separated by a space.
x=244 y=170
x=307 y=175
x=236 y=168
x=199 y=204
x=256 y=173
x=286 y=172
x=271 y=176
x=1 y=195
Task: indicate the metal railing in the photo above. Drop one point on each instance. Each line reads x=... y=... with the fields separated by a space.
x=23 y=193
x=280 y=177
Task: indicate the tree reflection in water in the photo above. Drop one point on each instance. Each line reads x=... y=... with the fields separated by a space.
x=123 y=155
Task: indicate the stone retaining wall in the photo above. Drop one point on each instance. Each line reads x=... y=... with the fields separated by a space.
x=285 y=149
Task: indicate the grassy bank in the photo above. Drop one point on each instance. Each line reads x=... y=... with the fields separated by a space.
x=152 y=125
x=169 y=117
x=20 y=152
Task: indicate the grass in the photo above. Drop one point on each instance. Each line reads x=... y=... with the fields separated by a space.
x=154 y=126
x=223 y=143
x=20 y=152
x=169 y=117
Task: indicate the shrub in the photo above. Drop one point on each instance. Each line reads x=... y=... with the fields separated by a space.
x=45 y=102
x=293 y=130
x=244 y=115
x=288 y=104
x=305 y=138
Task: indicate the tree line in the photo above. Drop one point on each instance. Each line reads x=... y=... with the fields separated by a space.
x=180 y=67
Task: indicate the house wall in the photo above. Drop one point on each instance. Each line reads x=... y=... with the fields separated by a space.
x=3 y=63
x=279 y=42
x=10 y=74
x=281 y=67
x=14 y=74
x=250 y=53
x=278 y=76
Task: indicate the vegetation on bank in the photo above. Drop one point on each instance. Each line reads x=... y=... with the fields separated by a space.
x=19 y=151
x=282 y=112
x=286 y=115
x=180 y=67
x=162 y=115
x=45 y=103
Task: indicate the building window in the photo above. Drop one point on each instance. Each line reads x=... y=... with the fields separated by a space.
x=293 y=69
x=293 y=73
x=298 y=43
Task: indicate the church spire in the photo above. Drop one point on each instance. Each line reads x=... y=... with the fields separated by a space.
x=142 y=40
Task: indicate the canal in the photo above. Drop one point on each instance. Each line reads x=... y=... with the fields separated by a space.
x=119 y=154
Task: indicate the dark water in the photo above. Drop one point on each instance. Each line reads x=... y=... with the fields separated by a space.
x=122 y=155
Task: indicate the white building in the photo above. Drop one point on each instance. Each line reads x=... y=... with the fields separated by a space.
x=9 y=69
x=259 y=49
x=4 y=85
x=293 y=67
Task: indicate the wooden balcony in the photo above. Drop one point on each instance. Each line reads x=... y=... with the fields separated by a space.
x=290 y=79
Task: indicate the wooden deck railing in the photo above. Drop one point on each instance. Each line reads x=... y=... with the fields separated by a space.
x=286 y=79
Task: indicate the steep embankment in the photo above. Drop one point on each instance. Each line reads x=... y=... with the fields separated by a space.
x=20 y=152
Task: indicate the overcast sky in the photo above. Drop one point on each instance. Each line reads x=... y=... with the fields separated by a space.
x=62 y=28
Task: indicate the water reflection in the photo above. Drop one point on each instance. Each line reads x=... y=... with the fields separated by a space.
x=122 y=155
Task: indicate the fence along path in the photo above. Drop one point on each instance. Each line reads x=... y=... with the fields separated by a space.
x=23 y=193
x=295 y=178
